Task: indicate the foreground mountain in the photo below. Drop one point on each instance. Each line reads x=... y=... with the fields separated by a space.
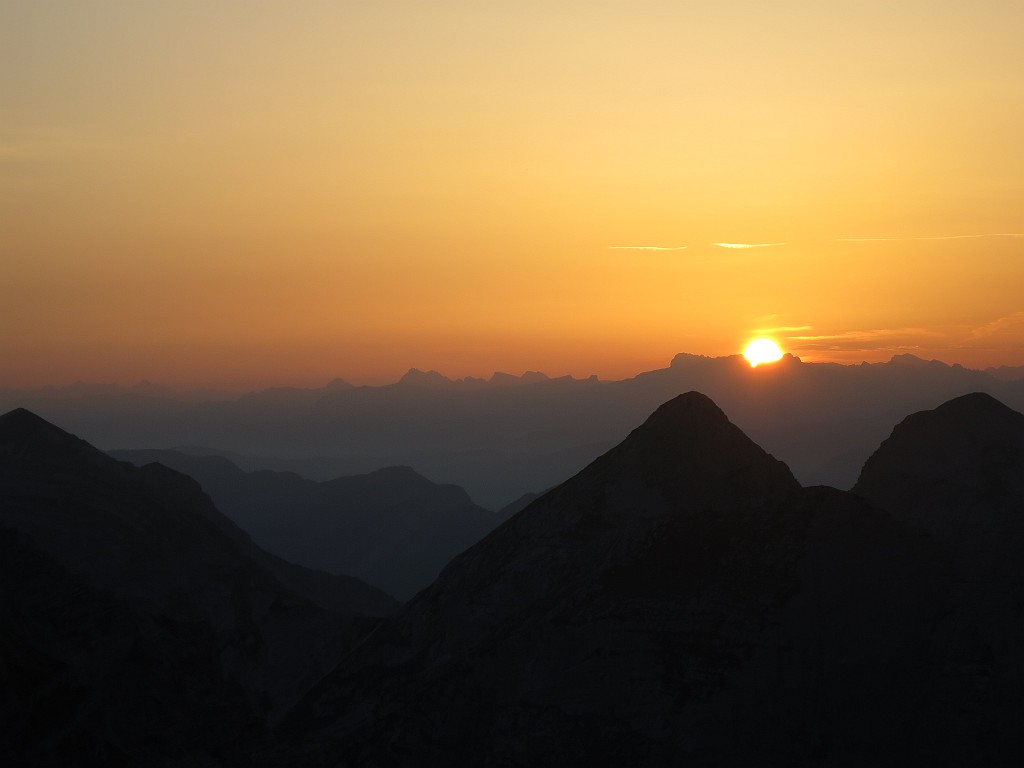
x=681 y=601
x=957 y=470
x=138 y=625
x=957 y=473
x=392 y=528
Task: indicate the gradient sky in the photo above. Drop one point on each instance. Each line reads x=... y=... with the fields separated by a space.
x=255 y=193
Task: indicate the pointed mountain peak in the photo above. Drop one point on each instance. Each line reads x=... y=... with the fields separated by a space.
x=22 y=419
x=689 y=448
x=26 y=436
x=21 y=426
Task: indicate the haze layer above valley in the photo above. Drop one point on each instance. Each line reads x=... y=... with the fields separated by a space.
x=510 y=435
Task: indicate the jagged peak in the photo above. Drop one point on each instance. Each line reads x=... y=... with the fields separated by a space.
x=908 y=360
x=418 y=378
x=685 y=358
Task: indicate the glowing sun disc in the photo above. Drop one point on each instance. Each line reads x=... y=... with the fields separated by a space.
x=762 y=351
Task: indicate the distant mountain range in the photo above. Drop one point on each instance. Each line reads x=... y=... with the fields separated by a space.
x=682 y=600
x=391 y=528
x=511 y=435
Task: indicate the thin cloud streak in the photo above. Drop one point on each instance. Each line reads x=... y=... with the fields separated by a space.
x=646 y=248
x=747 y=245
x=876 y=333
x=784 y=329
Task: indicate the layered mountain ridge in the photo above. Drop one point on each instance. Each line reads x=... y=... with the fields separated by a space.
x=513 y=435
x=392 y=528
x=681 y=600
x=139 y=621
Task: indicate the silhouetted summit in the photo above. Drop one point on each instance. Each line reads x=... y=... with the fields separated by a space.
x=414 y=377
x=151 y=630
x=27 y=439
x=942 y=467
x=679 y=601
x=686 y=471
x=689 y=448
x=957 y=473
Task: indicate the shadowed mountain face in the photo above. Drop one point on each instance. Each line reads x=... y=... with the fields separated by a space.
x=139 y=625
x=957 y=472
x=682 y=600
x=392 y=528
x=953 y=468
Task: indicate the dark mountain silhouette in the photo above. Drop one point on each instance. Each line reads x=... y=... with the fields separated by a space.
x=953 y=469
x=682 y=600
x=138 y=625
x=511 y=435
x=392 y=528
x=516 y=506
x=957 y=472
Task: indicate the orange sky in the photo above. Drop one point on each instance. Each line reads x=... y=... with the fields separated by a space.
x=242 y=194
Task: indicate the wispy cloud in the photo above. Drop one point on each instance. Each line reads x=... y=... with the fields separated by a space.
x=1012 y=322
x=646 y=248
x=867 y=339
x=873 y=333
x=936 y=237
x=747 y=245
x=783 y=329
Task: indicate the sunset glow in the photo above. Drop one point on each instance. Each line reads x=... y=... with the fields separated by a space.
x=762 y=351
x=236 y=195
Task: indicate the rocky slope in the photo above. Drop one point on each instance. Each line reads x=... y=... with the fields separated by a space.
x=680 y=601
x=956 y=473
x=139 y=625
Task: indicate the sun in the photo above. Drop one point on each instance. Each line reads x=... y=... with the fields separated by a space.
x=762 y=351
